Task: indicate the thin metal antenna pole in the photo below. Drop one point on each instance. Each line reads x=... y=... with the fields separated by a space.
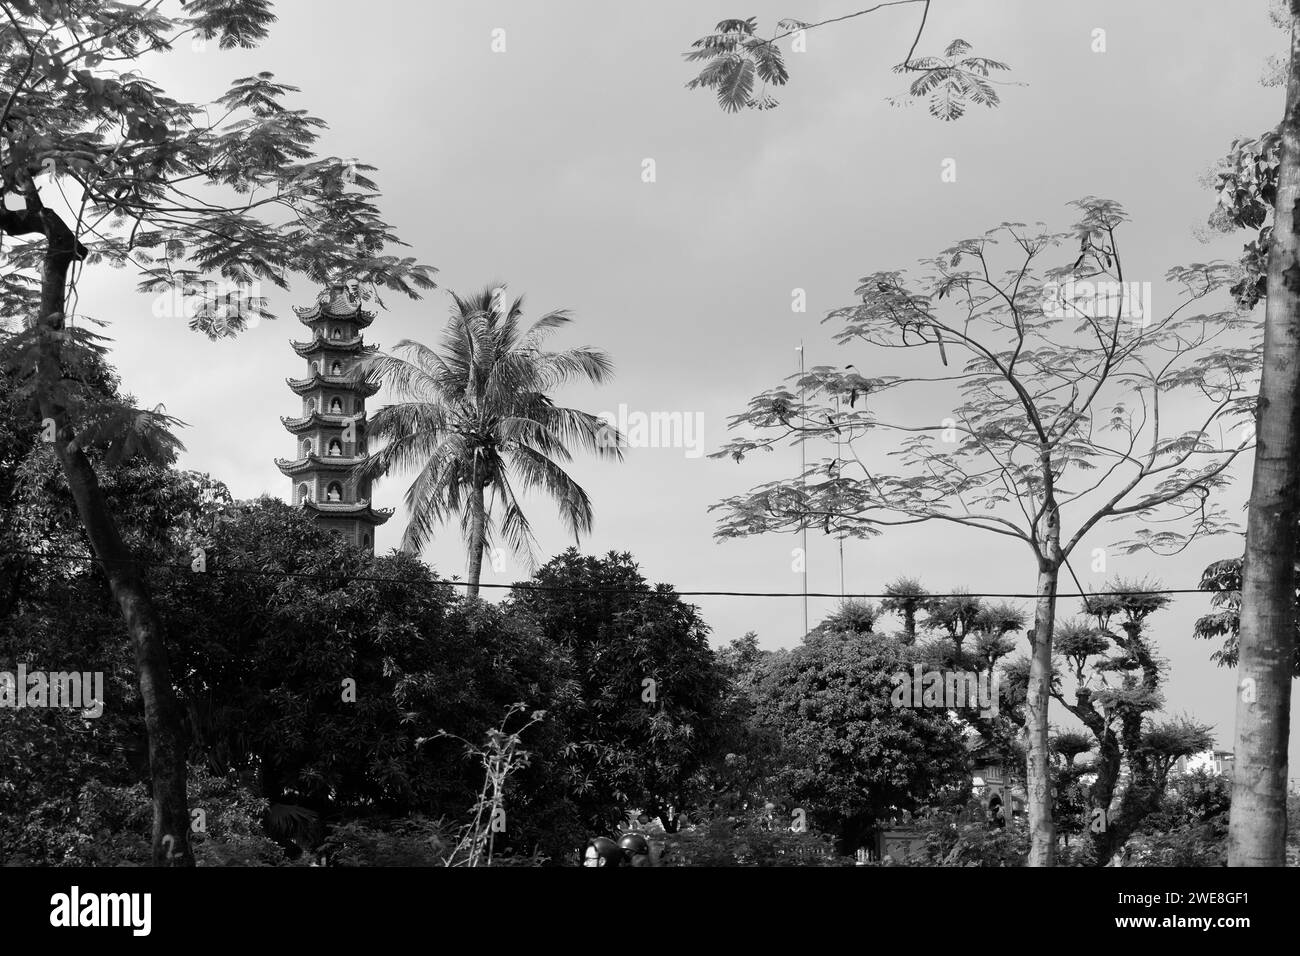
x=803 y=481
x=839 y=459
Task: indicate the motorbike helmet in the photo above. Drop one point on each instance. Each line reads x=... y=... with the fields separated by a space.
x=634 y=844
x=602 y=851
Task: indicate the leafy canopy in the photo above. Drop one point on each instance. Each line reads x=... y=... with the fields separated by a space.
x=210 y=202
x=735 y=58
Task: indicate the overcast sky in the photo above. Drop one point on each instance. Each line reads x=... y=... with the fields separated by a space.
x=525 y=166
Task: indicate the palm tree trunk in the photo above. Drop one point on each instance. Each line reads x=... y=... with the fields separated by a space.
x=477 y=529
x=171 y=817
x=1042 y=829
x=1257 y=820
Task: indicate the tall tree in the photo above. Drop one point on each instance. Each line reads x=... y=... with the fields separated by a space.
x=56 y=615
x=477 y=415
x=644 y=691
x=1265 y=668
x=263 y=664
x=183 y=191
x=1059 y=420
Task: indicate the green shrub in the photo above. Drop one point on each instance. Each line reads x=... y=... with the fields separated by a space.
x=723 y=844
x=417 y=841
x=104 y=825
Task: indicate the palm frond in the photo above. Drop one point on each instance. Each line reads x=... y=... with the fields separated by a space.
x=477 y=408
x=541 y=473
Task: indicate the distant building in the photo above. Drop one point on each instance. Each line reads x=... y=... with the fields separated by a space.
x=1218 y=762
x=996 y=795
x=993 y=786
x=330 y=432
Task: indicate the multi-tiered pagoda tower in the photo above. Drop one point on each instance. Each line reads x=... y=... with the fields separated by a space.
x=331 y=432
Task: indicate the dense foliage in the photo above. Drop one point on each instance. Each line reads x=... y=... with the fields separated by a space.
x=324 y=690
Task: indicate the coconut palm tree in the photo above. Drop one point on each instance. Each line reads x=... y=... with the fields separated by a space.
x=476 y=420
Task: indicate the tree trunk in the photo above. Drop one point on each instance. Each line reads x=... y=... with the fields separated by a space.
x=171 y=817
x=1042 y=829
x=1106 y=767
x=477 y=544
x=1102 y=794
x=1257 y=820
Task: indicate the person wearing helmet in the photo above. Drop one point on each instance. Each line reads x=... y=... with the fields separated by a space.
x=602 y=851
x=636 y=849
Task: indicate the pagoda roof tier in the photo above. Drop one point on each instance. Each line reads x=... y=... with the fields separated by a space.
x=359 y=509
x=301 y=386
x=353 y=346
x=335 y=304
x=318 y=420
x=314 y=462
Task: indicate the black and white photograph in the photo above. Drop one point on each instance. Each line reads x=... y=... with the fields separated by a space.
x=529 y=435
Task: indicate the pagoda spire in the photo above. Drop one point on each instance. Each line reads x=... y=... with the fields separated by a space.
x=330 y=432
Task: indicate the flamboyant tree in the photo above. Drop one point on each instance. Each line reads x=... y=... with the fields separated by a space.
x=98 y=164
x=736 y=57
x=1065 y=418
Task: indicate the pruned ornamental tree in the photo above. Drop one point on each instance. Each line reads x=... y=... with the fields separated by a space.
x=1068 y=747
x=906 y=598
x=1070 y=411
x=735 y=57
x=851 y=617
x=971 y=636
x=1118 y=678
x=99 y=165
